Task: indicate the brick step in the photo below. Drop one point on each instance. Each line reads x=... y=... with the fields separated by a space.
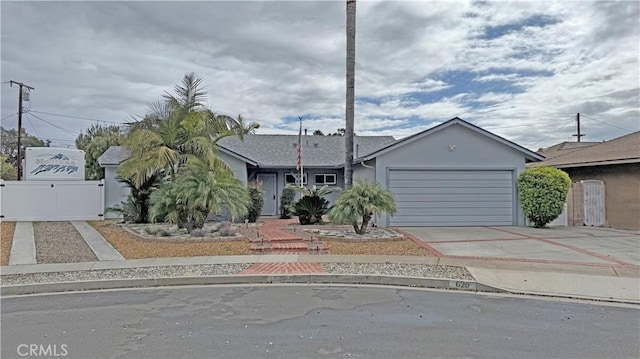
x=293 y=247
x=274 y=240
x=289 y=246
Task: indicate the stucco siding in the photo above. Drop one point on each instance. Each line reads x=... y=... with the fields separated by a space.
x=238 y=166
x=114 y=191
x=365 y=172
x=454 y=148
x=622 y=193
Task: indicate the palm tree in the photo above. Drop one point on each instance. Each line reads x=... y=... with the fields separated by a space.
x=177 y=130
x=349 y=115
x=199 y=190
x=360 y=203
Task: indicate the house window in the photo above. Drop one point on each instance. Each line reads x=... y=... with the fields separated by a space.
x=292 y=178
x=329 y=178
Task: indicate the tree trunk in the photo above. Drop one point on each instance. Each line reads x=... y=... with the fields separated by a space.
x=365 y=224
x=350 y=99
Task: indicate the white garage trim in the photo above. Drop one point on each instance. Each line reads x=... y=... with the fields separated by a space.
x=453 y=197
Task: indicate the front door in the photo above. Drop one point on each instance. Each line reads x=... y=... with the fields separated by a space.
x=268 y=180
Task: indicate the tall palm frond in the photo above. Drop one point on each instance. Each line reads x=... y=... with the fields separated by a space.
x=189 y=95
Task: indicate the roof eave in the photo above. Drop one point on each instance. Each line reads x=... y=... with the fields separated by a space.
x=237 y=155
x=596 y=163
x=531 y=155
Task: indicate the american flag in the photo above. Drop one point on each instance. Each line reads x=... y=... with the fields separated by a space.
x=299 y=148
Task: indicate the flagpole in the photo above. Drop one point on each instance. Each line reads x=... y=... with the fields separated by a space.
x=301 y=161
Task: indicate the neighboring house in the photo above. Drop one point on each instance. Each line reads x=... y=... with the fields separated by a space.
x=616 y=163
x=454 y=174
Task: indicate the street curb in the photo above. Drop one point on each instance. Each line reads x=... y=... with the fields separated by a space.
x=415 y=282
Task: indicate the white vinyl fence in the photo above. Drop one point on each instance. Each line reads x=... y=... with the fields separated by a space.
x=51 y=200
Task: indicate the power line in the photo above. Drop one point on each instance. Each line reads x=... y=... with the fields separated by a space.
x=56 y=126
x=34 y=128
x=552 y=133
x=7 y=116
x=10 y=123
x=75 y=117
x=523 y=124
x=606 y=123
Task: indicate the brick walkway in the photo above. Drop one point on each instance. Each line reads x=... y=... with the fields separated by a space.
x=275 y=240
x=272 y=230
x=284 y=268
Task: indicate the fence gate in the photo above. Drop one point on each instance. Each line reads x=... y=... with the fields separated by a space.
x=51 y=200
x=594 y=205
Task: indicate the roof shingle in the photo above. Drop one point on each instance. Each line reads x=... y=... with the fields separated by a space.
x=317 y=151
x=625 y=148
x=280 y=150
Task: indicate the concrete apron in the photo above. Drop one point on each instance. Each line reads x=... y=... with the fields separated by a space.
x=560 y=245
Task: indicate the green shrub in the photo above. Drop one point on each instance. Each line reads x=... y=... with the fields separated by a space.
x=197 y=191
x=151 y=230
x=543 y=192
x=136 y=207
x=360 y=203
x=163 y=233
x=286 y=201
x=256 y=197
x=312 y=206
x=310 y=209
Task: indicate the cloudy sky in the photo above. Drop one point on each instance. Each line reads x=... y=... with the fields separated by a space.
x=520 y=69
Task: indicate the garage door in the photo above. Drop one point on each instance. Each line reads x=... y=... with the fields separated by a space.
x=452 y=198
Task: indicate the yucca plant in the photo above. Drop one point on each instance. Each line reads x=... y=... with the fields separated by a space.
x=360 y=203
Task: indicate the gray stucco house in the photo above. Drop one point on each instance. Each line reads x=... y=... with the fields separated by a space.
x=454 y=174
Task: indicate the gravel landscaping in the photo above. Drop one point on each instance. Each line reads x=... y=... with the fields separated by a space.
x=377 y=241
x=6 y=239
x=134 y=247
x=409 y=270
x=403 y=247
x=60 y=242
x=128 y=273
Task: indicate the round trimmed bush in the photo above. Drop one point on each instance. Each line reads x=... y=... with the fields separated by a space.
x=543 y=192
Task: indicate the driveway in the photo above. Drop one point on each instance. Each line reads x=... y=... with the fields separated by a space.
x=562 y=245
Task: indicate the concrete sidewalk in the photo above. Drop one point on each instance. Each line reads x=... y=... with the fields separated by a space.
x=598 y=264
x=571 y=285
x=23 y=249
x=598 y=283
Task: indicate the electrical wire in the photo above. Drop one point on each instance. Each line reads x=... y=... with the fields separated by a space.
x=56 y=126
x=606 y=123
x=75 y=117
x=520 y=125
x=10 y=123
x=7 y=116
x=553 y=133
x=34 y=127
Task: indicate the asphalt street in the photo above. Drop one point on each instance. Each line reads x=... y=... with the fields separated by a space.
x=311 y=322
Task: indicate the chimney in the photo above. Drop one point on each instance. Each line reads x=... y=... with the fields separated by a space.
x=305 y=131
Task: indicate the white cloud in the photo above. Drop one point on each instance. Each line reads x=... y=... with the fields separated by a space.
x=275 y=60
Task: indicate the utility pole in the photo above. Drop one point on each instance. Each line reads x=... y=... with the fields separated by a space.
x=578 y=135
x=22 y=87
